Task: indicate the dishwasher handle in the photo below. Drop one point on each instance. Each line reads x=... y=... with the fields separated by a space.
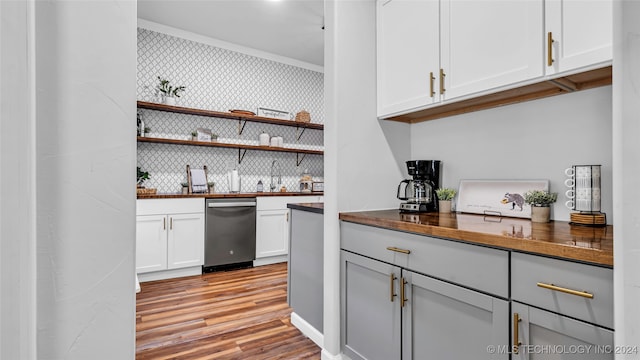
x=230 y=204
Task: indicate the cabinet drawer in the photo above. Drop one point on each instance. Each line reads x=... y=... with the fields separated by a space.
x=169 y=206
x=528 y=271
x=469 y=265
x=280 y=202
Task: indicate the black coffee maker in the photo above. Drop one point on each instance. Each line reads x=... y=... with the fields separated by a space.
x=420 y=191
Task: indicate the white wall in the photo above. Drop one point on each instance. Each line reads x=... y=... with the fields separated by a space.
x=85 y=162
x=626 y=157
x=362 y=154
x=530 y=140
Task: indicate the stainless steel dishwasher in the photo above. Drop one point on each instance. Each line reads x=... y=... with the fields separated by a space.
x=230 y=233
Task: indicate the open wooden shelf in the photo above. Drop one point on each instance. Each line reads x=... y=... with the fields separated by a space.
x=227 y=145
x=227 y=115
x=563 y=85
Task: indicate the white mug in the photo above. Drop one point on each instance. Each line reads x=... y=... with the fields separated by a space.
x=569 y=182
x=570 y=171
x=570 y=193
x=569 y=204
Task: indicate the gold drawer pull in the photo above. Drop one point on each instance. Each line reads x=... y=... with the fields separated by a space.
x=549 y=49
x=393 y=248
x=432 y=78
x=565 y=290
x=516 y=335
x=392 y=278
x=403 y=299
x=442 y=75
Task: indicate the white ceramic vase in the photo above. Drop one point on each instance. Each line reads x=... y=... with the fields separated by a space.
x=169 y=100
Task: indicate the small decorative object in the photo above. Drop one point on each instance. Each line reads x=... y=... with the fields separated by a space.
x=445 y=195
x=317 y=186
x=276 y=114
x=169 y=92
x=194 y=135
x=211 y=186
x=242 y=112
x=264 y=139
x=274 y=141
x=497 y=197
x=260 y=187
x=306 y=182
x=214 y=137
x=185 y=188
x=204 y=134
x=303 y=116
x=584 y=195
x=142 y=176
x=540 y=201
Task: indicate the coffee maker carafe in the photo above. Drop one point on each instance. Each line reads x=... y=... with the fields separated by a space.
x=419 y=192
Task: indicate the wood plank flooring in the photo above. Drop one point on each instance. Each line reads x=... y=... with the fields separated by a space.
x=239 y=314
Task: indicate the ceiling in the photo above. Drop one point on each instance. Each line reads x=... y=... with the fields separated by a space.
x=289 y=28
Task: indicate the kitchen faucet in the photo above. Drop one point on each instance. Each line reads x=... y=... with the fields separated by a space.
x=273 y=186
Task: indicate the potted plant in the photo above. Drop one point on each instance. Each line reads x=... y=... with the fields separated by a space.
x=141 y=177
x=540 y=201
x=194 y=135
x=210 y=185
x=185 y=188
x=445 y=195
x=169 y=92
x=214 y=137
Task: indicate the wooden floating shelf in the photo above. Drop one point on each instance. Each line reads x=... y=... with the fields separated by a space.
x=563 y=85
x=227 y=145
x=227 y=115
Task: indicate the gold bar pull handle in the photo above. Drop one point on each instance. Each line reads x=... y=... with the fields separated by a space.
x=403 y=282
x=164 y=224
x=395 y=249
x=171 y=223
x=549 y=48
x=442 y=75
x=392 y=278
x=432 y=78
x=516 y=334
x=566 y=291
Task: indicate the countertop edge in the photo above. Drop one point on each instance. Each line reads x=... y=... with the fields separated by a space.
x=317 y=208
x=563 y=251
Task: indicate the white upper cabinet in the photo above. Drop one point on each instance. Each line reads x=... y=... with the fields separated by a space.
x=489 y=44
x=581 y=33
x=408 y=52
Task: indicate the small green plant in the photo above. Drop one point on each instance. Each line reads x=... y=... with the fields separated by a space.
x=540 y=197
x=142 y=176
x=446 y=193
x=194 y=133
x=169 y=90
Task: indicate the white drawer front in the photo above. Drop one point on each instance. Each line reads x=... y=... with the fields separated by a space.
x=469 y=265
x=527 y=271
x=280 y=202
x=169 y=206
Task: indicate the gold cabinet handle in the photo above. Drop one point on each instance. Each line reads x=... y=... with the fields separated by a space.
x=403 y=282
x=393 y=248
x=566 y=291
x=171 y=223
x=164 y=224
x=392 y=278
x=516 y=334
x=549 y=49
x=432 y=78
x=442 y=75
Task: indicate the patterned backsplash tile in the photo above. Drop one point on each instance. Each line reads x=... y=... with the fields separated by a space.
x=220 y=80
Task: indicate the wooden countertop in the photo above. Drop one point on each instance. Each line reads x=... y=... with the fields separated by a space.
x=317 y=207
x=226 y=195
x=557 y=238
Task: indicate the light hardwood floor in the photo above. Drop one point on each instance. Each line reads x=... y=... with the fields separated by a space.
x=239 y=314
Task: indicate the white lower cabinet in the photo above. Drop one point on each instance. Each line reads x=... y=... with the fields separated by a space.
x=169 y=236
x=540 y=334
x=272 y=226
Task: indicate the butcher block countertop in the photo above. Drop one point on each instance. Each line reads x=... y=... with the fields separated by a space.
x=225 y=195
x=317 y=207
x=556 y=238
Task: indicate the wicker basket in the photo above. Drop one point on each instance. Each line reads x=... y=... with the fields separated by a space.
x=146 y=191
x=303 y=116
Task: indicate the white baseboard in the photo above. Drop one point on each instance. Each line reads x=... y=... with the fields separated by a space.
x=270 y=260
x=325 y=355
x=308 y=330
x=169 y=274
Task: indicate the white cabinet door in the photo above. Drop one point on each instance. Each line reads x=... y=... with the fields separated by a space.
x=445 y=321
x=272 y=233
x=408 y=51
x=490 y=43
x=370 y=308
x=582 y=33
x=185 y=240
x=151 y=243
x=540 y=332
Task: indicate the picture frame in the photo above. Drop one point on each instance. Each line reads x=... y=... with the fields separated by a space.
x=497 y=197
x=203 y=134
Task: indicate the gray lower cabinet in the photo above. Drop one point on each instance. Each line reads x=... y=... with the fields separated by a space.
x=540 y=334
x=393 y=313
x=370 y=308
x=445 y=321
